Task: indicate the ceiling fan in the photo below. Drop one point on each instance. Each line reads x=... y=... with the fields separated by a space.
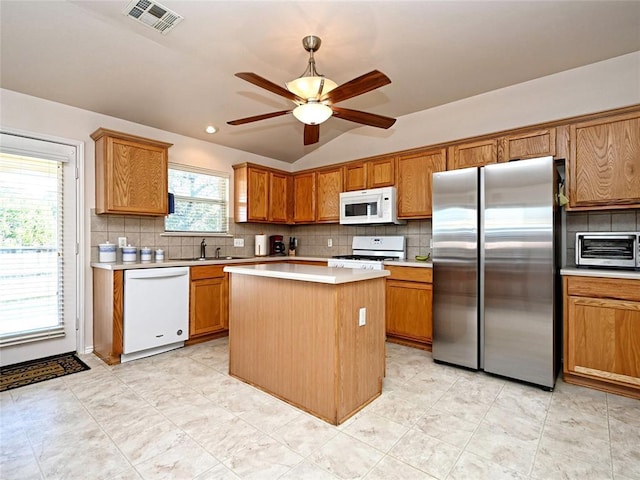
x=315 y=96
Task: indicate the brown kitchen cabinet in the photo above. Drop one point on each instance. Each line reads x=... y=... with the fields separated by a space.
x=304 y=194
x=131 y=174
x=473 y=154
x=279 y=197
x=328 y=188
x=604 y=163
x=376 y=173
x=108 y=311
x=208 y=303
x=533 y=144
x=602 y=334
x=414 y=181
x=261 y=194
x=409 y=306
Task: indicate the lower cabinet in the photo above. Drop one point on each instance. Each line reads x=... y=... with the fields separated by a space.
x=208 y=303
x=409 y=308
x=602 y=334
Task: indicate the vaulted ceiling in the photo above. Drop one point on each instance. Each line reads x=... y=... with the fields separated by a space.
x=88 y=54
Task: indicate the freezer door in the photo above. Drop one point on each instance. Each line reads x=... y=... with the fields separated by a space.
x=519 y=270
x=455 y=267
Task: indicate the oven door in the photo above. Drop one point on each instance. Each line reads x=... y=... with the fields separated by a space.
x=360 y=207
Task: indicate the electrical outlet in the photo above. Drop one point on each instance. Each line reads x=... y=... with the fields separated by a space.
x=238 y=242
x=431 y=243
x=362 y=318
x=122 y=242
x=330 y=243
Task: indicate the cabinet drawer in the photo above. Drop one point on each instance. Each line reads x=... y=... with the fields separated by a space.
x=207 y=271
x=621 y=289
x=412 y=274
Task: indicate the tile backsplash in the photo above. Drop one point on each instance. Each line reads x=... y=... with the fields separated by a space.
x=313 y=239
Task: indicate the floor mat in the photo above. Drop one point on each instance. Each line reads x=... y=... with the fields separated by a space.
x=35 y=371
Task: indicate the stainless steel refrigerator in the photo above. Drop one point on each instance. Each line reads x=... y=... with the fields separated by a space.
x=495 y=263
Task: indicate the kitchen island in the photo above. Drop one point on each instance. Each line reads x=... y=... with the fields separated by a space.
x=312 y=336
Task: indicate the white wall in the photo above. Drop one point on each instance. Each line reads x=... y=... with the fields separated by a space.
x=31 y=114
x=605 y=85
x=601 y=86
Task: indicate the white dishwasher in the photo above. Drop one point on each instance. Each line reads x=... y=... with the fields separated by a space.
x=156 y=311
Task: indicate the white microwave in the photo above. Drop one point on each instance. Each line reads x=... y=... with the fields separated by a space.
x=362 y=207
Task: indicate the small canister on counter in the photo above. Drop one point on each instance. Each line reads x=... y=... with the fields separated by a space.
x=159 y=255
x=107 y=252
x=145 y=254
x=129 y=254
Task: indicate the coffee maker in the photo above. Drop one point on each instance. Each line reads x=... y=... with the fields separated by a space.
x=276 y=245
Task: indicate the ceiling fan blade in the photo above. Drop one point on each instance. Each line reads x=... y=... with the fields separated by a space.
x=264 y=116
x=261 y=82
x=363 y=117
x=363 y=84
x=311 y=134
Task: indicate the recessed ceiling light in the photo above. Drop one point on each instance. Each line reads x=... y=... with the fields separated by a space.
x=211 y=129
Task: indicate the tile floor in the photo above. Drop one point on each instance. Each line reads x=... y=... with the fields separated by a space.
x=179 y=415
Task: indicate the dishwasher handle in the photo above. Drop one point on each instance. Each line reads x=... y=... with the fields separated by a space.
x=159 y=273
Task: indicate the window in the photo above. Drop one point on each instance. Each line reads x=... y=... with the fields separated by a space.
x=201 y=201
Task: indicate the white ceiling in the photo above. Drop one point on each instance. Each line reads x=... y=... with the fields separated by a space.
x=89 y=55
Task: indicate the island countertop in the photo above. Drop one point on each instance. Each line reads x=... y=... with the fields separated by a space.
x=307 y=273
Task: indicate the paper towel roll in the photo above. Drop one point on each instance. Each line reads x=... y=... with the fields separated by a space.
x=261 y=246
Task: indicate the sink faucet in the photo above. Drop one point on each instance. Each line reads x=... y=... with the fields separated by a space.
x=203 y=247
x=218 y=252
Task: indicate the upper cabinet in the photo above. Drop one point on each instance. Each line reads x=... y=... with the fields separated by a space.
x=520 y=146
x=261 y=194
x=604 y=163
x=328 y=188
x=361 y=175
x=414 y=182
x=279 y=187
x=474 y=154
x=304 y=195
x=131 y=174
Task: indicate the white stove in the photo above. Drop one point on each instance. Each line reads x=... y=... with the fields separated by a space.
x=369 y=252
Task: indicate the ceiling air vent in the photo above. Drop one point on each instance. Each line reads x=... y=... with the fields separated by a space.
x=153 y=15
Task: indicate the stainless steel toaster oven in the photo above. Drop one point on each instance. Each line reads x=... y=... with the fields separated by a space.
x=608 y=249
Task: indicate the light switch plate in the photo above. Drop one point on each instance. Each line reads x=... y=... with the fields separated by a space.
x=330 y=243
x=122 y=242
x=362 y=320
x=238 y=242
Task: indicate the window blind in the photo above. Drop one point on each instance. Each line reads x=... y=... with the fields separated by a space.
x=31 y=242
x=201 y=201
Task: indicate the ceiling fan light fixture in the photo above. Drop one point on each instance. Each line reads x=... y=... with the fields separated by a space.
x=312 y=113
x=308 y=87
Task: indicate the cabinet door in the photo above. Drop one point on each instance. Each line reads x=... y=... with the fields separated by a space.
x=541 y=143
x=415 y=182
x=278 y=211
x=474 y=154
x=208 y=306
x=603 y=339
x=257 y=195
x=328 y=187
x=136 y=178
x=304 y=188
x=604 y=163
x=355 y=176
x=381 y=173
x=409 y=310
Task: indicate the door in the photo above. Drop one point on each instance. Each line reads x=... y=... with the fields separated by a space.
x=455 y=267
x=38 y=248
x=519 y=270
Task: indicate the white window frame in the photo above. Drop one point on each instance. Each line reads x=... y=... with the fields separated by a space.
x=202 y=171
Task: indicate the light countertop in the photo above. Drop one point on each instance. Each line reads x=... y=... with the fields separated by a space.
x=306 y=273
x=236 y=261
x=599 y=272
